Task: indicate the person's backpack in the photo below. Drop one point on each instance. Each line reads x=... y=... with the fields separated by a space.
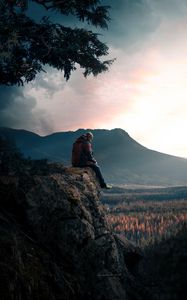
x=76 y=154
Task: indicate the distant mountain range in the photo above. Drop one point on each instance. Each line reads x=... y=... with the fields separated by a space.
x=122 y=159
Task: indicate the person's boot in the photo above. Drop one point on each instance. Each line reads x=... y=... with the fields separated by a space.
x=106 y=186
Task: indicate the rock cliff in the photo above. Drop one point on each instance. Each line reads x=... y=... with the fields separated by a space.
x=55 y=242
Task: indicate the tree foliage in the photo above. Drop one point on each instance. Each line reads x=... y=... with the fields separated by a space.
x=26 y=46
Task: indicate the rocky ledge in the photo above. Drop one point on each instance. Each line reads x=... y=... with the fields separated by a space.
x=55 y=242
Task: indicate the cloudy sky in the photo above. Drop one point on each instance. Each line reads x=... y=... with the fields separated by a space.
x=144 y=92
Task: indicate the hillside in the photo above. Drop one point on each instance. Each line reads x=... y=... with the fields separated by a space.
x=122 y=159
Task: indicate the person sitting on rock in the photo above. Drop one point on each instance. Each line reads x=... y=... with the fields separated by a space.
x=82 y=156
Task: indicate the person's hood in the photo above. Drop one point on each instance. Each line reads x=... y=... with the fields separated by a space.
x=81 y=139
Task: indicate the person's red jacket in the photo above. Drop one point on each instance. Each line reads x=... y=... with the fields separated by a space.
x=82 y=154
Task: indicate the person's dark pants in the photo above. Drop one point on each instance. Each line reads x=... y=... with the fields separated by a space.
x=99 y=175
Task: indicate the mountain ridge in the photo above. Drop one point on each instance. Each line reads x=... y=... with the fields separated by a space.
x=122 y=159
x=80 y=130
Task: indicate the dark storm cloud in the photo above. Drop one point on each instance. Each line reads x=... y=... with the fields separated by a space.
x=17 y=110
x=134 y=22
x=5 y=99
x=131 y=24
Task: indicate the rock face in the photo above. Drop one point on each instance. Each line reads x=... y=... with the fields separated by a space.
x=55 y=242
